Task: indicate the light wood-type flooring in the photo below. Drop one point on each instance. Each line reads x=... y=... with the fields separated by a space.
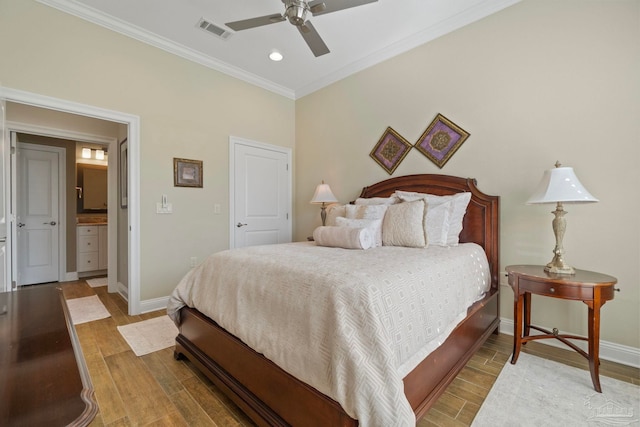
x=156 y=390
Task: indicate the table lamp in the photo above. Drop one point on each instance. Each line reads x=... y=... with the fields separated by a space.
x=560 y=185
x=323 y=195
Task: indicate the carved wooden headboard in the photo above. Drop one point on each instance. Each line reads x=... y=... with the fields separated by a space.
x=480 y=223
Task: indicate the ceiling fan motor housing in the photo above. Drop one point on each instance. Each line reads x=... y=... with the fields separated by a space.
x=296 y=12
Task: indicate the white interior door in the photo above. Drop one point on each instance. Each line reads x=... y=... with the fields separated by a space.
x=260 y=194
x=37 y=214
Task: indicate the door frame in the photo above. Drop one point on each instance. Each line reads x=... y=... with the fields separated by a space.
x=233 y=141
x=133 y=209
x=62 y=206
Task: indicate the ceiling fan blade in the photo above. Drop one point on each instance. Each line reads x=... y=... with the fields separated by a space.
x=318 y=6
x=245 y=24
x=313 y=39
x=335 y=5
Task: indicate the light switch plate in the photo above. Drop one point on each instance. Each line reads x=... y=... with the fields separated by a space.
x=164 y=210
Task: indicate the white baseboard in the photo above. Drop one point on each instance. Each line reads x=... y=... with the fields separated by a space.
x=613 y=352
x=153 y=304
x=123 y=291
x=71 y=276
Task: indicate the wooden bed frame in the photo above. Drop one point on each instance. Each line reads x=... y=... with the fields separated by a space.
x=270 y=396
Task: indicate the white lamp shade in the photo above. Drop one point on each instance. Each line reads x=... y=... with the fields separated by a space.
x=323 y=194
x=86 y=153
x=99 y=154
x=560 y=185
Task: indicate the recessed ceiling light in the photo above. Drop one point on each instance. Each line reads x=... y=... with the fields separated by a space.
x=275 y=56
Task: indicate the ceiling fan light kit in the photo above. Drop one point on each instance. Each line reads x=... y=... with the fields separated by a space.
x=296 y=13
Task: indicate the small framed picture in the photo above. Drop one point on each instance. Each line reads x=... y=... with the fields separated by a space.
x=187 y=173
x=390 y=150
x=441 y=140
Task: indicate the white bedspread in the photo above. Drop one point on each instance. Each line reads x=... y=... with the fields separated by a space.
x=351 y=323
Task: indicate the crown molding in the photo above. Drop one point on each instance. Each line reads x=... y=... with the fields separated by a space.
x=119 y=26
x=444 y=27
x=90 y=14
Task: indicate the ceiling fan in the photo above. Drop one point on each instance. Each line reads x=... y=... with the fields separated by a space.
x=296 y=12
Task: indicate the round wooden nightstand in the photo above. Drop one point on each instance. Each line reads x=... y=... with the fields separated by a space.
x=594 y=289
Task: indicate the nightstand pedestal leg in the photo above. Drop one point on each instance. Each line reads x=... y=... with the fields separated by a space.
x=594 y=340
x=517 y=324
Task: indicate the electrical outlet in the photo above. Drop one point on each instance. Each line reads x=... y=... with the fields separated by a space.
x=193 y=261
x=216 y=208
x=504 y=278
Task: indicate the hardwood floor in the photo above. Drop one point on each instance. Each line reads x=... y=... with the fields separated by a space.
x=156 y=390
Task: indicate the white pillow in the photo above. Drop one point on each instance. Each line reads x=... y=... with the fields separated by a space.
x=444 y=215
x=378 y=200
x=403 y=225
x=436 y=219
x=375 y=225
x=366 y=211
x=460 y=202
x=333 y=211
x=344 y=237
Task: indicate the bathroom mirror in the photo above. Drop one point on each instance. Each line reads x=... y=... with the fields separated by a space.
x=91 y=188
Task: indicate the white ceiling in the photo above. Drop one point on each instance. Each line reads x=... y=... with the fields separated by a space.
x=358 y=37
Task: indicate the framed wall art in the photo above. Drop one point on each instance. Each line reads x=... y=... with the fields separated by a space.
x=187 y=173
x=441 y=140
x=123 y=174
x=390 y=150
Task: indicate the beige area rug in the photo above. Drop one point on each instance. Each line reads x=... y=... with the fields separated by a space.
x=87 y=309
x=97 y=282
x=540 y=392
x=149 y=335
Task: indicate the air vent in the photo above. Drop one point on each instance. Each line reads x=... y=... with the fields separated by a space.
x=214 y=29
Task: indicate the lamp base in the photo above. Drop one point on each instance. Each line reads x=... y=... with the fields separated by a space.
x=557 y=264
x=559 y=269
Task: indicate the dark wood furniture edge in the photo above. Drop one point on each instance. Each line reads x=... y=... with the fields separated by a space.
x=245 y=375
x=593 y=289
x=258 y=386
x=87 y=395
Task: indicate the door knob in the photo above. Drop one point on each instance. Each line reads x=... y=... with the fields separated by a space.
x=20 y=225
x=240 y=225
x=50 y=223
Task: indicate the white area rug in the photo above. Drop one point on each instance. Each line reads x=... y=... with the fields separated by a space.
x=87 y=309
x=97 y=282
x=149 y=335
x=540 y=392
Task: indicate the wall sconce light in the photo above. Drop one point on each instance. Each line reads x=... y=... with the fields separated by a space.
x=87 y=153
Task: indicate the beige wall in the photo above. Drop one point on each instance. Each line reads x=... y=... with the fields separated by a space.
x=186 y=111
x=537 y=82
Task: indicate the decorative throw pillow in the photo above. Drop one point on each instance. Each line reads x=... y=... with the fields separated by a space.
x=333 y=211
x=344 y=237
x=403 y=225
x=375 y=225
x=445 y=218
x=366 y=211
x=436 y=218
